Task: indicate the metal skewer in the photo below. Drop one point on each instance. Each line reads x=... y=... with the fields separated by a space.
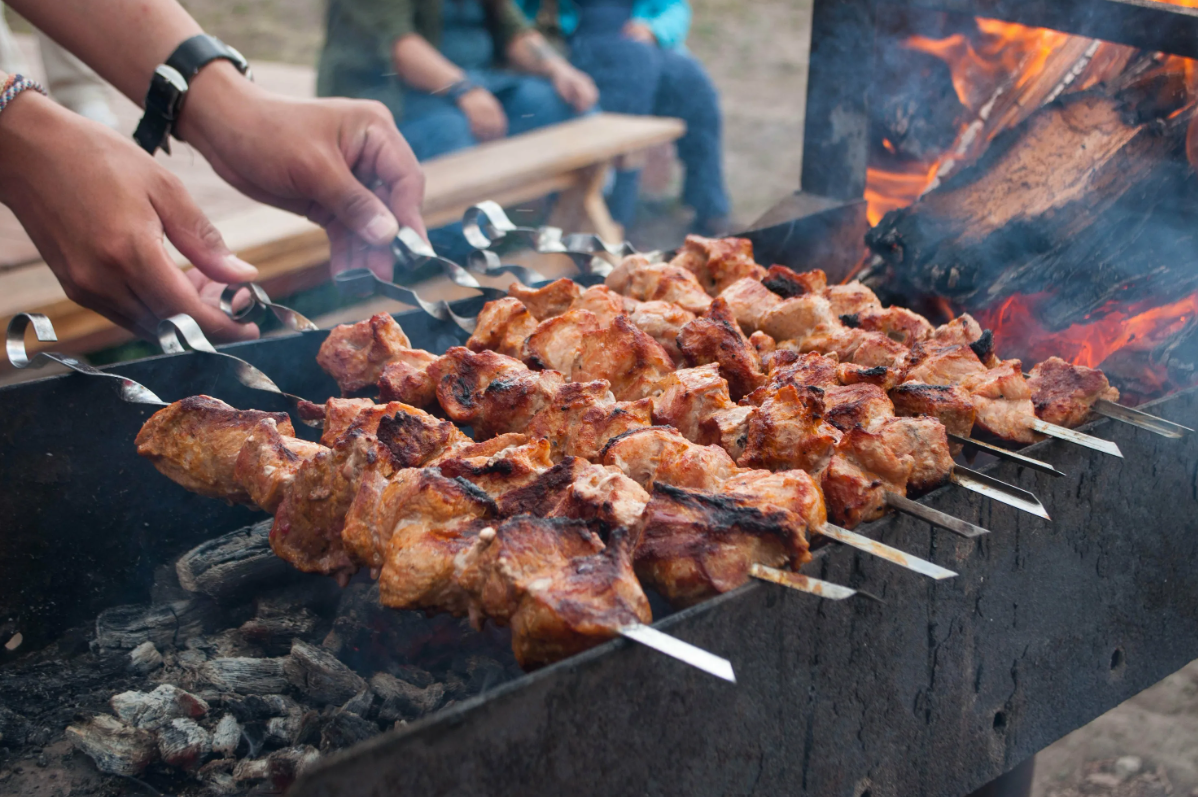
x=883 y=551
x=1004 y=453
x=169 y=330
x=363 y=282
x=1142 y=420
x=683 y=651
x=902 y=503
x=802 y=583
x=1075 y=437
x=997 y=490
x=129 y=391
x=411 y=252
x=259 y=304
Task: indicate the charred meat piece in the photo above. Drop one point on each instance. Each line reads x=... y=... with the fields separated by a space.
x=749 y=300
x=660 y=455
x=339 y=414
x=639 y=279
x=491 y=392
x=605 y=303
x=1064 y=393
x=787 y=283
x=803 y=370
x=662 y=321
x=728 y=429
x=856 y=405
x=356 y=354
x=502 y=327
x=925 y=442
x=554 y=344
x=689 y=396
x=504 y=470
x=880 y=375
x=268 y=463
x=195 y=443
x=788 y=432
x=583 y=416
x=697 y=544
x=555 y=582
x=947 y=365
x=798 y=317
x=860 y=474
x=718 y=262
x=949 y=404
x=1003 y=401
x=406 y=379
x=717 y=338
x=549 y=301
x=961 y=331
x=410 y=436
x=764 y=345
x=792 y=490
x=852 y=298
x=897 y=323
x=633 y=363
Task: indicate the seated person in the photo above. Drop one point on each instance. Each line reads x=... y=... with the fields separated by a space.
x=452 y=72
x=633 y=49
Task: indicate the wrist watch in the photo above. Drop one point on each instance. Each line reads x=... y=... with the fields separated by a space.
x=168 y=87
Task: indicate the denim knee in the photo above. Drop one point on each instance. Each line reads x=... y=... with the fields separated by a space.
x=438 y=134
x=533 y=103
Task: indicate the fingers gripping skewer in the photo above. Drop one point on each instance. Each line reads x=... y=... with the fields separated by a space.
x=258 y=306
x=169 y=331
x=129 y=390
x=1003 y=453
x=997 y=490
x=683 y=651
x=363 y=282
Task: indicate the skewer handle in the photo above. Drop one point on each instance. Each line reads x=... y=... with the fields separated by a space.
x=683 y=651
x=934 y=516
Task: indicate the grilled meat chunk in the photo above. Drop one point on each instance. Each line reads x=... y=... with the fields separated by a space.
x=792 y=490
x=749 y=300
x=852 y=298
x=605 y=303
x=696 y=544
x=662 y=321
x=718 y=262
x=961 y=331
x=406 y=379
x=660 y=455
x=549 y=301
x=856 y=405
x=880 y=375
x=787 y=283
x=583 y=416
x=633 y=363
x=339 y=414
x=897 y=323
x=949 y=404
x=497 y=473
x=490 y=392
x=502 y=327
x=1003 y=401
x=268 y=463
x=811 y=369
x=717 y=338
x=947 y=365
x=788 y=432
x=555 y=582
x=925 y=442
x=195 y=443
x=356 y=354
x=689 y=396
x=860 y=474
x=798 y=317
x=1064 y=393
x=764 y=345
x=728 y=429
x=555 y=343
x=639 y=279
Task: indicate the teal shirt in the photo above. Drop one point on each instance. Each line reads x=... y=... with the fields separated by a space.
x=670 y=20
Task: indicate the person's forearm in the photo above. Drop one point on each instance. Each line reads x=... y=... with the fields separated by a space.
x=529 y=52
x=123 y=40
x=421 y=66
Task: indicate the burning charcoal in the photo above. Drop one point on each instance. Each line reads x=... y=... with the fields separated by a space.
x=283 y=731
x=217 y=776
x=402 y=700
x=320 y=676
x=114 y=746
x=183 y=744
x=276 y=624
x=145 y=658
x=153 y=710
x=128 y=626
x=344 y=729
x=233 y=565
x=281 y=767
x=360 y=703
x=226 y=736
x=245 y=675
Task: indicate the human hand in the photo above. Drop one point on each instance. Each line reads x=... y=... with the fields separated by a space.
x=639 y=31
x=574 y=86
x=98 y=209
x=340 y=162
x=487 y=119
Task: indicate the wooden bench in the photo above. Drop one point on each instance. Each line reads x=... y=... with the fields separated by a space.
x=291 y=253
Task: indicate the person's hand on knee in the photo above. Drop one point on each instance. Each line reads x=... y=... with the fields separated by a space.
x=487 y=119
x=574 y=86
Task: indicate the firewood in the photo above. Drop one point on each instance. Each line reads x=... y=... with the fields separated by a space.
x=233 y=565
x=245 y=675
x=184 y=744
x=153 y=710
x=128 y=627
x=115 y=747
x=320 y=675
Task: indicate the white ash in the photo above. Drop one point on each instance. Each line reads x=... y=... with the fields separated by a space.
x=117 y=748
x=183 y=744
x=226 y=736
x=151 y=711
x=145 y=658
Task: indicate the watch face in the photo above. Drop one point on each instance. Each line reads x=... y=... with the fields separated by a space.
x=172 y=77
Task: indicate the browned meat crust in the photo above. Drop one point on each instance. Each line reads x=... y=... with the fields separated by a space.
x=787 y=283
x=788 y=432
x=268 y=463
x=355 y=354
x=717 y=338
x=1064 y=393
x=502 y=326
x=718 y=262
x=633 y=363
x=548 y=301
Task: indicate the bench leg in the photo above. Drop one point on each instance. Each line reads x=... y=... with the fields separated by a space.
x=581 y=208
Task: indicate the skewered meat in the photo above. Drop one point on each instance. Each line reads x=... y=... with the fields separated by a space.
x=662 y=321
x=1063 y=393
x=718 y=262
x=764 y=345
x=639 y=279
x=717 y=338
x=1003 y=401
x=632 y=362
x=788 y=432
x=548 y=301
x=356 y=354
x=728 y=429
x=496 y=473
x=406 y=379
x=583 y=416
x=852 y=298
x=195 y=443
x=749 y=300
x=659 y=454
x=555 y=582
x=962 y=330
x=860 y=474
x=858 y=346
x=339 y=414
x=502 y=327
x=690 y=396
x=803 y=370
x=793 y=490
x=788 y=283
x=491 y=392
x=798 y=317
x=856 y=405
x=947 y=365
x=949 y=404
x=697 y=544
x=925 y=442
x=879 y=375
x=268 y=463
x=897 y=323
x=605 y=303
x=554 y=344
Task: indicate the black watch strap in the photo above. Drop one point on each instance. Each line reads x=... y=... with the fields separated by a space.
x=168 y=87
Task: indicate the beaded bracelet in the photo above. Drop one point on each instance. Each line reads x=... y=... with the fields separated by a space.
x=14 y=86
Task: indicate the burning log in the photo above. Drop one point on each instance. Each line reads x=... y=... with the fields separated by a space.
x=234 y=564
x=1085 y=201
x=114 y=746
x=128 y=627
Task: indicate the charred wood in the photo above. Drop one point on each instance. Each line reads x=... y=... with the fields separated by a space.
x=153 y=710
x=320 y=676
x=127 y=627
x=182 y=743
x=234 y=564
x=246 y=676
x=115 y=747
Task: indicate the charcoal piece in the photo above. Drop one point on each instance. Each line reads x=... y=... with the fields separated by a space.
x=153 y=710
x=245 y=675
x=183 y=744
x=115 y=747
x=226 y=736
x=344 y=729
x=280 y=767
x=126 y=627
x=14 y=728
x=276 y=624
x=145 y=658
x=361 y=703
x=283 y=731
x=234 y=565
x=402 y=700
x=255 y=769
x=217 y=776
x=166 y=587
x=311 y=725
x=413 y=675
x=483 y=673
x=320 y=675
